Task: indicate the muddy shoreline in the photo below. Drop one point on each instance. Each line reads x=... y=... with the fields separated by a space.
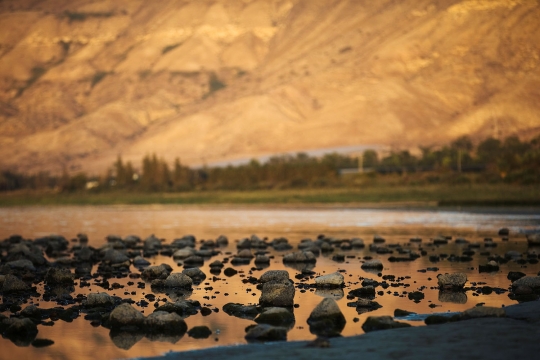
x=515 y=335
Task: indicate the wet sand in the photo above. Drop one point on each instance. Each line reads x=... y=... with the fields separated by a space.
x=514 y=336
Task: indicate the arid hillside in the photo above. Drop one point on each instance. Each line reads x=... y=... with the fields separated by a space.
x=82 y=81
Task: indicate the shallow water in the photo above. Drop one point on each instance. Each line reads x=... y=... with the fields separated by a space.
x=79 y=340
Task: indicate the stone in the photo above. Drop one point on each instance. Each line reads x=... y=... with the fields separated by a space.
x=14 y=284
x=365 y=304
x=139 y=261
x=39 y=343
x=115 y=257
x=504 y=232
x=532 y=282
x=125 y=339
x=533 y=239
x=402 y=313
x=300 y=257
x=22 y=264
x=196 y=275
x=125 y=316
x=222 y=240
x=375 y=323
x=200 y=332
x=178 y=280
x=241 y=311
x=363 y=292
x=333 y=280
x=275 y=275
x=184 y=308
x=165 y=322
x=276 y=316
x=98 y=300
x=326 y=319
x=416 y=296
x=230 y=272
x=482 y=312
x=372 y=264
x=194 y=260
x=277 y=294
x=184 y=253
x=216 y=264
x=20 y=328
x=262 y=259
x=452 y=281
x=59 y=276
x=245 y=254
x=265 y=332
x=156 y=272
x=489 y=267
x=357 y=243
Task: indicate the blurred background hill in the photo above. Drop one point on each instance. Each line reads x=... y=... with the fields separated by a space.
x=83 y=81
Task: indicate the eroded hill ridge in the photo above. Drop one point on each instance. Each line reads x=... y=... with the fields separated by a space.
x=208 y=81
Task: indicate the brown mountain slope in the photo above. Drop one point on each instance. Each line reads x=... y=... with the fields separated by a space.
x=83 y=81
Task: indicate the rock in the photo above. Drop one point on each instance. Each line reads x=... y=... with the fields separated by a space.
x=365 y=304
x=22 y=264
x=39 y=343
x=99 y=300
x=178 y=280
x=370 y=282
x=375 y=323
x=131 y=241
x=452 y=281
x=139 y=261
x=276 y=316
x=275 y=275
x=184 y=308
x=333 y=280
x=372 y=264
x=378 y=239
x=276 y=293
x=489 y=267
x=455 y=297
x=165 y=322
x=183 y=253
x=115 y=257
x=504 y=232
x=357 y=243
x=33 y=312
x=300 y=257
x=532 y=282
x=326 y=319
x=402 y=313
x=332 y=293
x=156 y=272
x=222 y=240
x=416 y=296
x=368 y=291
x=533 y=239
x=59 y=276
x=200 y=332
x=230 y=272
x=196 y=275
x=265 y=332
x=245 y=254
x=20 y=328
x=262 y=259
x=125 y=339
x=482 y=312
x=437 y=319
x=217 y=264
x=125 y=316
x=241 y=311
x=513 y=255
x=515 y=275
x=194 y=260
x=13 y=284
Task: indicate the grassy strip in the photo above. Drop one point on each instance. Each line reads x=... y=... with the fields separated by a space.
x=490 y=195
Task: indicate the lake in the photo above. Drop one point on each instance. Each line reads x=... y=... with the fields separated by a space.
x=80 y=340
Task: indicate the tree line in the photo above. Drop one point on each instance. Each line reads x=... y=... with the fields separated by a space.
x=491 y=160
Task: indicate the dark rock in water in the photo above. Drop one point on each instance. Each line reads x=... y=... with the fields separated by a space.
x=156 y=272
x=276 y=316
x=21 y=331
x=113 y=256
x=416 y=296
x=504 y=232
x=196 y=274
x=240 y=261
x=265 y=332
x=183 y=308
x=364 y=305
x=125 y=316
x=489 y=267
x=455 y=297
x=402 y=313
x=241 y=311
x=194 y=260
x=38 y=343
x=183 y=253
x=200 y=332
x=262 y=259
x=98 y=300
x=438 y=319
x=230 y=272
x=370 y=282
x=532 y=282
x=338 y=258
x=452 y=281
x=175 y=280
x=482 y=312
x=13 y=284
x=222 y=240
x=326 y=319
x=59 y=276
x=33 y=312
x=277 y=289
x=533 y=239
x=378 y=239
x=372 y=264
x=334 y=280
x=139 y=261
x=300 y=257
x=357 y=243
x=165 y=322
x=125 y=339
x=22 y=264
x=217 y=264
x=364 y=292
x=375 y=323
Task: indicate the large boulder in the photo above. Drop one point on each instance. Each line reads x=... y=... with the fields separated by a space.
x=265 y=332
x=178 y=280
x=532 y=282
x=326 y=319
x=275 y=275
x=13 y=284
x=277 y=292
x=125 y=316
x=375 y=323
x=452 y=281
x=333 y=280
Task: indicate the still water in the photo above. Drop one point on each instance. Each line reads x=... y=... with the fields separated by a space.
x=79 y=340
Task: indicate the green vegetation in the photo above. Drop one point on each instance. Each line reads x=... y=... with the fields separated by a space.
x=493 y=173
